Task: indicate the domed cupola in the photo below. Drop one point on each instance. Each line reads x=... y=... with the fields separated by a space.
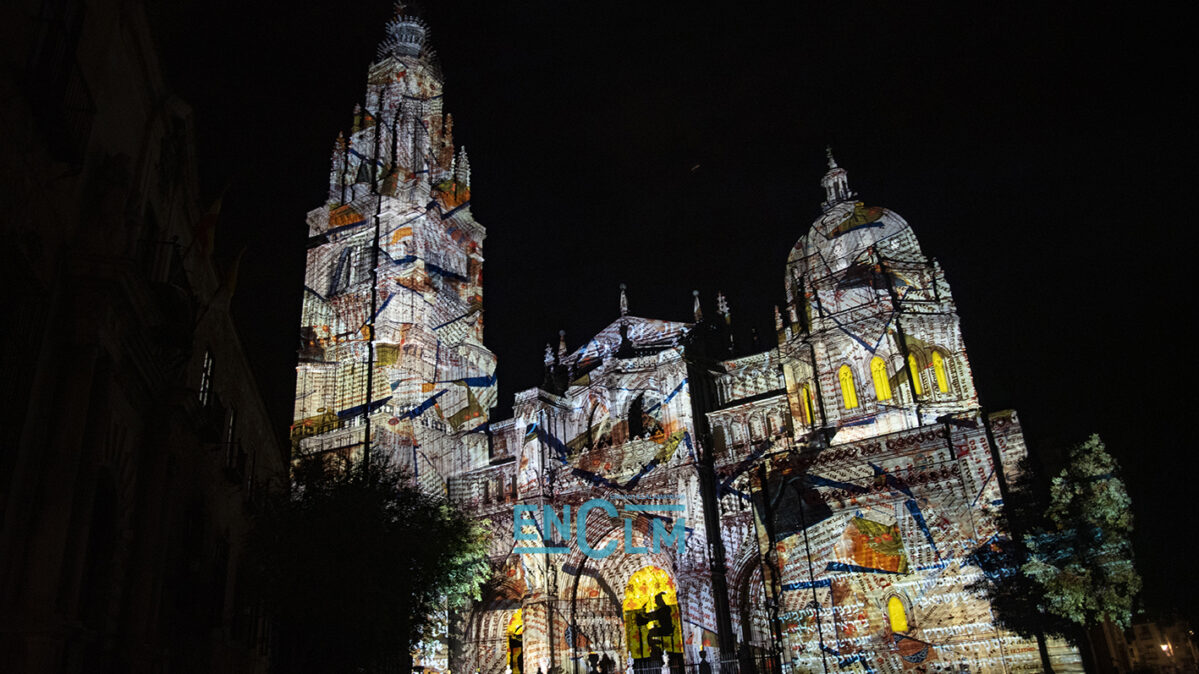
x=848 y=237
x=406 y=35
x=835 y=183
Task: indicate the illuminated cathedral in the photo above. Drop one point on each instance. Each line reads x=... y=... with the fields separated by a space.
x=821 y=504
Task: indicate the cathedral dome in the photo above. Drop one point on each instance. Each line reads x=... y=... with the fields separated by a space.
x=846 y=231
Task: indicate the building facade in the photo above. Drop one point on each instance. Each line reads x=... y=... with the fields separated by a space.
x=136 y=446
x=660 y=500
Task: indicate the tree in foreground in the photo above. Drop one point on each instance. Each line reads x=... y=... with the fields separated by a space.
x=1083 y=559
x=1016 y=598
x=1069 y=564
x=356 y=564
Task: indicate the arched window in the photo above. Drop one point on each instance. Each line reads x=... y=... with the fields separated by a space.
x=849 y=392
x=878 y=372
x=343 y=273
x=651 y=614
x=757 y=430
x=897 y=614
x=914 y=371
x=939 y=372
x=806 y=399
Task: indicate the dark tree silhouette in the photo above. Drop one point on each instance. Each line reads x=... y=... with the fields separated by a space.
x=1016 y=599
x=357 y=566
x=1069 y=564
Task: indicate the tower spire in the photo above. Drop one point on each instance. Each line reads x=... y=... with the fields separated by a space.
x=624 y=301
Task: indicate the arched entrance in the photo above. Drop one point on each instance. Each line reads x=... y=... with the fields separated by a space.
x=653 y=624
x=754 y=613
x=516 y=651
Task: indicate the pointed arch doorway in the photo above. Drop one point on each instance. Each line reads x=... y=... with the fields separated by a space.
x=653 y=622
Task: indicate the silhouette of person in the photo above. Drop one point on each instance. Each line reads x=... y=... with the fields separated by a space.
x=705 y=667
x=663 y=630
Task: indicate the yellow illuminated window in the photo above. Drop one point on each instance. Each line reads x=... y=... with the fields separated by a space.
x=915 y=372
x=516 y=637
x=878 y=371
x=897 y=614
x=849 y=393
x=939 y=372
x=809 y=413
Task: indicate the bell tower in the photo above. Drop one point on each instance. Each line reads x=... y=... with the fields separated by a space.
x=391 y=332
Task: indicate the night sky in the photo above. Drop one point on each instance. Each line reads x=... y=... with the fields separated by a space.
x=1036 y=154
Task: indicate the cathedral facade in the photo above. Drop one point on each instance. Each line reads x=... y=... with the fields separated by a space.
x=657 y=501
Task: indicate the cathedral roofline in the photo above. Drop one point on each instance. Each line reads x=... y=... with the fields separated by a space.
x=643 y=333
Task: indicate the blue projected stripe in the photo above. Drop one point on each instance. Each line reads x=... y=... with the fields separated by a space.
x=645 y=508
x=807 y=585
x=535 y=551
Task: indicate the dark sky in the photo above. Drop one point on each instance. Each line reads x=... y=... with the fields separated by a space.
x=1036 y=153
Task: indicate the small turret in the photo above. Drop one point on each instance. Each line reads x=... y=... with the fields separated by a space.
x=722 y=308
x=835 y=183
x=462 y=168
x=406 y=35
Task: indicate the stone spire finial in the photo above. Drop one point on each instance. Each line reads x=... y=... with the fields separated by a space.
x=699 y=314
x=562 y=345
x=828 y=152
x=549 y=354
x=722 y=307
x=624 y=301
x=462 y=168
x=778 y=318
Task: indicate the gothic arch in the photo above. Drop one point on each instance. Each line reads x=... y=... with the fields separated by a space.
x=897 y=610
x=486 y=631
x=915 y=368
x=757 y=426
x=736 y=431
x=849 y=387
x=882 y=380
x=942 y=366
x=750 y=596
x=597 y=592
x=776 y=424
x=808 y=405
